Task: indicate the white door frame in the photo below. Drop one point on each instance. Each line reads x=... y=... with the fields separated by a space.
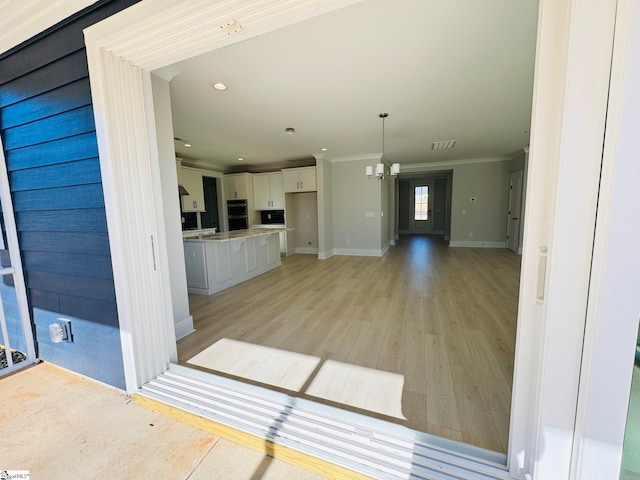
x=574 y=50
x=16 y=271
x=614 y=309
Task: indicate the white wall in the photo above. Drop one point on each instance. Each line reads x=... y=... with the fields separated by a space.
x=171 y=207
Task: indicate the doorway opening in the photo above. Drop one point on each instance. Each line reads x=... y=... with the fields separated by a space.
x=140 y=326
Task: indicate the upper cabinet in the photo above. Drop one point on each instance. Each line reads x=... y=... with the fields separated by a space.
x=299 y=179
x=268 y=191
x=191 y=180
x=238 y=186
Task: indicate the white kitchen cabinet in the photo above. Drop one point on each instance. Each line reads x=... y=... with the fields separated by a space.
x=238 y=186
x=268 y=191
x=299 y=179
x=213 y=265
x=191 y=179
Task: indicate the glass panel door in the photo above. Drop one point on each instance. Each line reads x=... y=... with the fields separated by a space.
x=16 y=337
x=630 y=458
x=421 y=209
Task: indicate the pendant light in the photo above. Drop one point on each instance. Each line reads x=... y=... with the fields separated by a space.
x=380 y=167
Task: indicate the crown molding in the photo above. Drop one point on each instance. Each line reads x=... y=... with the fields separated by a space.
x=421 y=167
x=357 y=158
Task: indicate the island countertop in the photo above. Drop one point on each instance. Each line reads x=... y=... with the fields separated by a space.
x=235 y=234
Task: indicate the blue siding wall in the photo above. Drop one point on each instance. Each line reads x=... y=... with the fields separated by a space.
x=48 y=133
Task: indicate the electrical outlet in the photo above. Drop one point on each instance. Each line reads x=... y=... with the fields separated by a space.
x=348 y=241
x=470 y=234
x=60 y=331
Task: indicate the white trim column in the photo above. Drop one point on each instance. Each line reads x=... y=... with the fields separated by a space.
x=122 y=50
x=614 y=306
x=573 y=58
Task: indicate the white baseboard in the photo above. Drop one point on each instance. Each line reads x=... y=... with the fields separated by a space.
x=385 y=248
x=307 y=250
x=455 y=243
x=393 y=242
x=357 y=252
x=519 y=250
x=325 y=255
x=184 y=327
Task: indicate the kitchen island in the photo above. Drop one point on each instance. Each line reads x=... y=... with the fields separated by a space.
x=221 y=260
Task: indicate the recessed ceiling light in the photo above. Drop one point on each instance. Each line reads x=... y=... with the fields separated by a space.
x=290 y=130
x=240 y=159
x=324 y=149
x=188 y=145
x=219 y=86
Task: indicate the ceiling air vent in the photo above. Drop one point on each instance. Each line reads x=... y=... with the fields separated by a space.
x=443 y=145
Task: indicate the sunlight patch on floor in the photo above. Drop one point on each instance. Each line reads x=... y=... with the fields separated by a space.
x=271 y=366
x=367 y=388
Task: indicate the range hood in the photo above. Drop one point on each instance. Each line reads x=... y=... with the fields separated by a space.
x=182 y=191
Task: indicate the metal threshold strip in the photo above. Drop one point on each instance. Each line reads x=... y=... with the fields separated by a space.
x=365 y=445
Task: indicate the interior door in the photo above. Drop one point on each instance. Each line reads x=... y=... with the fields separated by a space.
x=513 y=215
x=421 y=201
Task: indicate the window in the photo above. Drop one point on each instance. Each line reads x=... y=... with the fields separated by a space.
x=421 y=200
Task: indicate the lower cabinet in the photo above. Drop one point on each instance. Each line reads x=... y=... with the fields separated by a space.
x=196 y=264
x=213 y=265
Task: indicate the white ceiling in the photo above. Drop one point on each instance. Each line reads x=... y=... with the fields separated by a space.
x=442 y=69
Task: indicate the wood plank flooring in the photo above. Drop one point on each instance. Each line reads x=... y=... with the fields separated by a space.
x=442 y=318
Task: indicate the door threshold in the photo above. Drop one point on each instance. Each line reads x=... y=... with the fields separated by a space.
x=312 y=435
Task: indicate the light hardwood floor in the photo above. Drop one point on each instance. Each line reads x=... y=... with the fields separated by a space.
x=442 y=319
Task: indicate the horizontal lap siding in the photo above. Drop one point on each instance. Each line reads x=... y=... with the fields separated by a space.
x=48 y=134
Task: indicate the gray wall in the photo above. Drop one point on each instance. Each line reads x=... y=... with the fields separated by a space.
x=439 y=205
x=404 y=199
x=354 y=195
x=306 y=218
x=488 y=182
x=324 y=175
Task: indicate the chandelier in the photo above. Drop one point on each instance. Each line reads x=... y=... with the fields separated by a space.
x=380 y=167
